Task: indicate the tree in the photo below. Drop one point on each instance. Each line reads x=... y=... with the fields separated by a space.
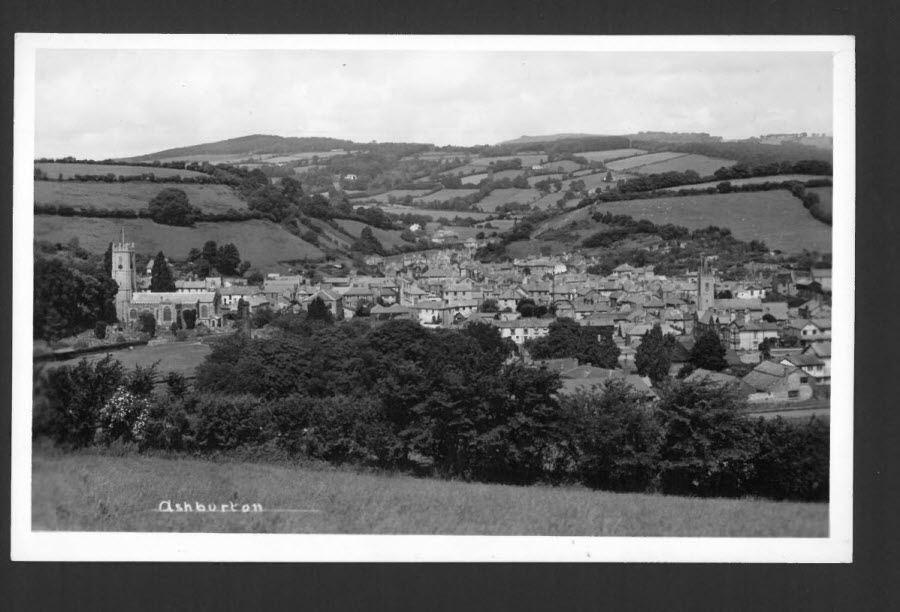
x=769 y=318
x=608 y=178
x=318 y=311
x=566 y=338
x=210 y=253
x=708 y=445
x=489 y=305
x=161 y=278
x=100 y=330
x=709 y=352
x=256 y=278
x=190 y=318
x=367 y=243
x=147 y=323
x=652 y=356
x=172 y=207
x=228 y=259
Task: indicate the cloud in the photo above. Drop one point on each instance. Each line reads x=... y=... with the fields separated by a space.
x=111 y=103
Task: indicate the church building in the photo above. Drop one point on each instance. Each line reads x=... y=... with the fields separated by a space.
x=166 y=307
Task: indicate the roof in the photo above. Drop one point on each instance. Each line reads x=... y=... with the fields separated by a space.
x=738 y=304
x=392 y=309
x=768 y=375
x=147 y=297
x=240 y=290
x=803 y=359
x=719 y=378
x=822 y=349
x=524 y=322
x=430 y=305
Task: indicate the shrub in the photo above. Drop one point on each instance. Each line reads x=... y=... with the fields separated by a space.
x=708 y=445
x=224 y=422
x=100 y=330
x=792 y=461
x=615 y=438
x=67 y=399
x=123 y=417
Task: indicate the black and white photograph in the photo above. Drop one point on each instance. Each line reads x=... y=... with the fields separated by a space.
x=437 y=298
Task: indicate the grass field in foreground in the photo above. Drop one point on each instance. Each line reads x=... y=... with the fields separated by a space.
x=181 y=357
x=91 y=492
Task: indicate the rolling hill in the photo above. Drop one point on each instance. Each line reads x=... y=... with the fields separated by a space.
x=249 y=145
x=132 y=195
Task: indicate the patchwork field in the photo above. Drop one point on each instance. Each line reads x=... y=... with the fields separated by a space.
x=282 y=159
x=701 y=164
x=563 y=165
x=445 y=195
x=383 y=198
x=474 y=179
x=533 y=180
x=629 y=163
x=778 y=178
x=387 y=238
x=505 y=196
x=87 y=491
x=397 y=209
x=262 y=243
x=528 y=159
x=215 y=158
x=610 y=154
x=68 y=171
x=305 y=169
x=132 y=196
x=775 y=217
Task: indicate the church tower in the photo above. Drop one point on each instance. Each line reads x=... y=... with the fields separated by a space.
x=706 y=286
x=123 y=273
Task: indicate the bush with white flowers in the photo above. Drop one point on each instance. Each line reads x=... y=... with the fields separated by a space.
x=123 y=417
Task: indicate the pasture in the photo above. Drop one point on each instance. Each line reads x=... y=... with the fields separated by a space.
x=533 y=180
x=68 y=171
x=474 y=179
x=701 y=164
x=89 y=491
x=777 y=178
x=775 y=217
x=499 y=197
x=263 y=243
x=445 y=195
x=387 y=238
x=384 y=198
x=528 y=159
x=630 y=163
x=181 y=357
x=610 y=154
x=397 y=209
x=132 y=196
x=563 y=165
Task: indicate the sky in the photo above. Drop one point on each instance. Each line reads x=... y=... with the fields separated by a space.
x=108 y=103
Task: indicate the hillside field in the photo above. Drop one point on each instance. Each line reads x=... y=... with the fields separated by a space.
x=445 y=195
x=630 y=163
x=701 y=164
x=611 y=154
x=528 y=159
x=387 y=238
x=87 y=491
x=397 y=209
x=504 y=196
x=382 y=198
x=775 y=217
x=262 y=243
x=776 y=178
x=68 y=171
x=132 y=196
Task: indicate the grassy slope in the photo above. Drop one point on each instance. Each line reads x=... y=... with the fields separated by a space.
x=132 y=196
x=701 y=164
x=182 y=357
x=387 y=238
x=434 y=214
x=775 y=178
x=53 y=170
x=776 y=217
x=102 y=493
x=262 y=243
x=504 y=196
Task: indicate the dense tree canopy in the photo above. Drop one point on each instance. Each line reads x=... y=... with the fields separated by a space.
x=172 y=207
x=652 y=355
x=709 y=352
x=566 y=338
x=161 y=279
